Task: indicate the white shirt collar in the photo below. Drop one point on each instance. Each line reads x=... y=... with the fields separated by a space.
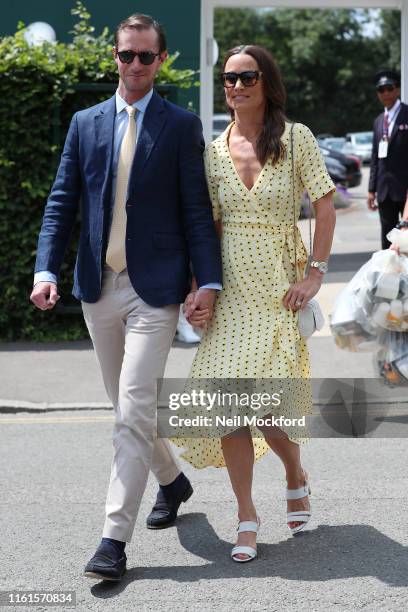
x=140 y=105
x=394 y=109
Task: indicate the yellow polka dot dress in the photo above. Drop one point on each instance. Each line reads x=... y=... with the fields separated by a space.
x=252 y=335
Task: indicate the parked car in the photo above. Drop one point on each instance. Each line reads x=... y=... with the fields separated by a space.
x=220 y=122
x=335 y=143
x=324 y=136
x=360 y=144
x=343 y=169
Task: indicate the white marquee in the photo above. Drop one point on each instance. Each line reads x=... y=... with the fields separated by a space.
x=207 y=35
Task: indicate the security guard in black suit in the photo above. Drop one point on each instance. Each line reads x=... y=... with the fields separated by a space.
x=388 y=182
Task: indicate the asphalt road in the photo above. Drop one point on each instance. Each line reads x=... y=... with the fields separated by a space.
x=354 y=556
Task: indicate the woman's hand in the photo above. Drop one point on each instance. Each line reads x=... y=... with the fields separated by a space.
x=189 y=301
x=199 y=318
x=300 y=293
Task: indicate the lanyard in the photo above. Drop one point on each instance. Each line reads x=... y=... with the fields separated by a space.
x=388 y=119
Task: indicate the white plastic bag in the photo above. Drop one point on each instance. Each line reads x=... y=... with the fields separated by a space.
x=399 y=238
x=376 y=299
x=349 y=324
x=386 y=291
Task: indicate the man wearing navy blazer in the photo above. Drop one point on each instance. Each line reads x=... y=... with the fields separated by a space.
x=133 y=166
x=388 y=183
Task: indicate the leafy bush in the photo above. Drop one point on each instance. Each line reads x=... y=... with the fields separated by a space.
x=39 y=93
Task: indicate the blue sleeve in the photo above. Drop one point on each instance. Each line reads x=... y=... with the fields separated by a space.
x=62 y=206
x=203 y=242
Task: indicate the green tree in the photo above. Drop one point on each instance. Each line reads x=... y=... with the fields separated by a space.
x=325 y=59
x=390 y=23
x=232 y=27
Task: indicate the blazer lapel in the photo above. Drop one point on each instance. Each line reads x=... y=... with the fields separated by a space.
x=153 y=122
x=104 y=127
x=380 y=124
x=398 y=120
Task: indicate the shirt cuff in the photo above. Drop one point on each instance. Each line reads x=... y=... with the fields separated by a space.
x=216 y=286
x=44 y=276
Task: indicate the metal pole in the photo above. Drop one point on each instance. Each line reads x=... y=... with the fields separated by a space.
x=206 y=68
x=404 y=50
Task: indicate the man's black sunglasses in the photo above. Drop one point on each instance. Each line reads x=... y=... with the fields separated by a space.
x=383 y=88
x=248 y=78
x=145 y=57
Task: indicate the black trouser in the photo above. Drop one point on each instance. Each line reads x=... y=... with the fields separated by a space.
x=389 y=217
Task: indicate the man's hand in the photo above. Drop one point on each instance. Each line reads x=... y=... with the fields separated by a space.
x=199 y=307
x=44 y=295
x=371 y=203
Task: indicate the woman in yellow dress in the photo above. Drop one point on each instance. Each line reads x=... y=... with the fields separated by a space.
x=253 y=332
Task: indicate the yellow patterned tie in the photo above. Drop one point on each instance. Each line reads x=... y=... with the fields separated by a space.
x=116 y=252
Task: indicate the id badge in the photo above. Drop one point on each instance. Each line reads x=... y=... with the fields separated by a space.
x=383 y=149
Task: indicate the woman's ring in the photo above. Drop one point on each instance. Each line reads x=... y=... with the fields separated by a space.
x=298 y=303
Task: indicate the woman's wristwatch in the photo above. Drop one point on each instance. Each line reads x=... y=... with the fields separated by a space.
x=319 y=265
x=402 y=224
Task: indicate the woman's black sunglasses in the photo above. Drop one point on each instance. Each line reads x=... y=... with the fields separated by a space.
x=248 y=78
x=145 y=57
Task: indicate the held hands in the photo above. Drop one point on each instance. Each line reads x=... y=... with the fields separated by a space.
x=44 y=295
x=199 y=307
x=300 y=293
x=371 y=203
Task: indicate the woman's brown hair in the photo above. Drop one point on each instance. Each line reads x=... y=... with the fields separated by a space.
x=269 y=143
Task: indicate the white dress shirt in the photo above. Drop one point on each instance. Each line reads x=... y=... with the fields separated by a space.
x=392 y=115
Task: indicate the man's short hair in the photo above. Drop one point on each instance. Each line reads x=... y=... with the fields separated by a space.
x=139 y=22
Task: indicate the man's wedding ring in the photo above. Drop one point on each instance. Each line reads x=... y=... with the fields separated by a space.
x=298 y=303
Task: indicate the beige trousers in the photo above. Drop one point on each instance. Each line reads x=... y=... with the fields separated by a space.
x=131 y=341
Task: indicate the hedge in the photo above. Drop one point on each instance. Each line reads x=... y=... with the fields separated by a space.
x=39 y=91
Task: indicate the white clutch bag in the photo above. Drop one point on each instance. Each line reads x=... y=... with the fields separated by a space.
x=310 y=319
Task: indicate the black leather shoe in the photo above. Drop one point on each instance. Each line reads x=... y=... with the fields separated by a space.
x=169 y=498
x=106 y=564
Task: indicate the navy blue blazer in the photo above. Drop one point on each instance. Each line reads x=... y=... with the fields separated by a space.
x=389 y=175
x=169 y=217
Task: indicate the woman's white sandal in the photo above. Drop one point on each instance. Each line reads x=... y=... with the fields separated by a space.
x=245 y=550
x=302 y=516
